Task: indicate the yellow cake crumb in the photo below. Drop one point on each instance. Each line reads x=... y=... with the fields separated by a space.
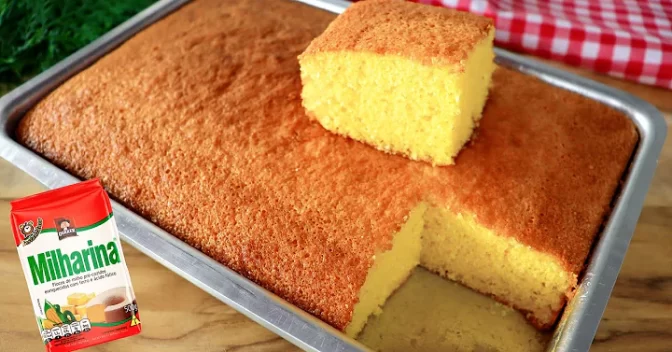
x=457 y=247
x=389 y=270
x=422 y=103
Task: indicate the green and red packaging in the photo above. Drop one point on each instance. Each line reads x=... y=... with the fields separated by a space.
x=69 y=247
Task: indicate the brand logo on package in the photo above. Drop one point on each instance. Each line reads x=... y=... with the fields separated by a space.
x=65 y=228
x=29 y=231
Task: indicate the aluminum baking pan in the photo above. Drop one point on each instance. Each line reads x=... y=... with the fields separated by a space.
x=580 y=320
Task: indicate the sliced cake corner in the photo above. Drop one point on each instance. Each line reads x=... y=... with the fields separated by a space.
x=389 y=270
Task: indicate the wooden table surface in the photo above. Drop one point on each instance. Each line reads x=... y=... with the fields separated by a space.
x=178 y=316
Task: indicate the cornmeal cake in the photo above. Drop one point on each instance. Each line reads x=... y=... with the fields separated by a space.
x=406 y=78
x=196 y=123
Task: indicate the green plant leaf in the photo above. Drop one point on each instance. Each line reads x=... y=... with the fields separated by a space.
x=36 y=34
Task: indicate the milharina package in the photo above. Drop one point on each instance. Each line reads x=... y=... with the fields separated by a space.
x=69 y=248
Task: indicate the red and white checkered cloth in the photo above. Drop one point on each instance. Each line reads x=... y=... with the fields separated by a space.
x=629 y=39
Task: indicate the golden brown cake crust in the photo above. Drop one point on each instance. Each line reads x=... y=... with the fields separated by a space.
x=427 y=34
x=542 y=168
x=197 y=124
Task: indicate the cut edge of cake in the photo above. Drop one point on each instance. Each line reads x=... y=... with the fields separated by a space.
x=456 y=246
x=424 y=106
x=389 y=271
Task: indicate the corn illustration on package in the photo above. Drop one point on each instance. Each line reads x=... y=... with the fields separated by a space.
x=69 y=248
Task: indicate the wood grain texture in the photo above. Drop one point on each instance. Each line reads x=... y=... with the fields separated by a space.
x=178 y=316
x=175 y=315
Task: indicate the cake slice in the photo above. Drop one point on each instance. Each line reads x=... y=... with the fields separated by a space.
x=405 y=78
